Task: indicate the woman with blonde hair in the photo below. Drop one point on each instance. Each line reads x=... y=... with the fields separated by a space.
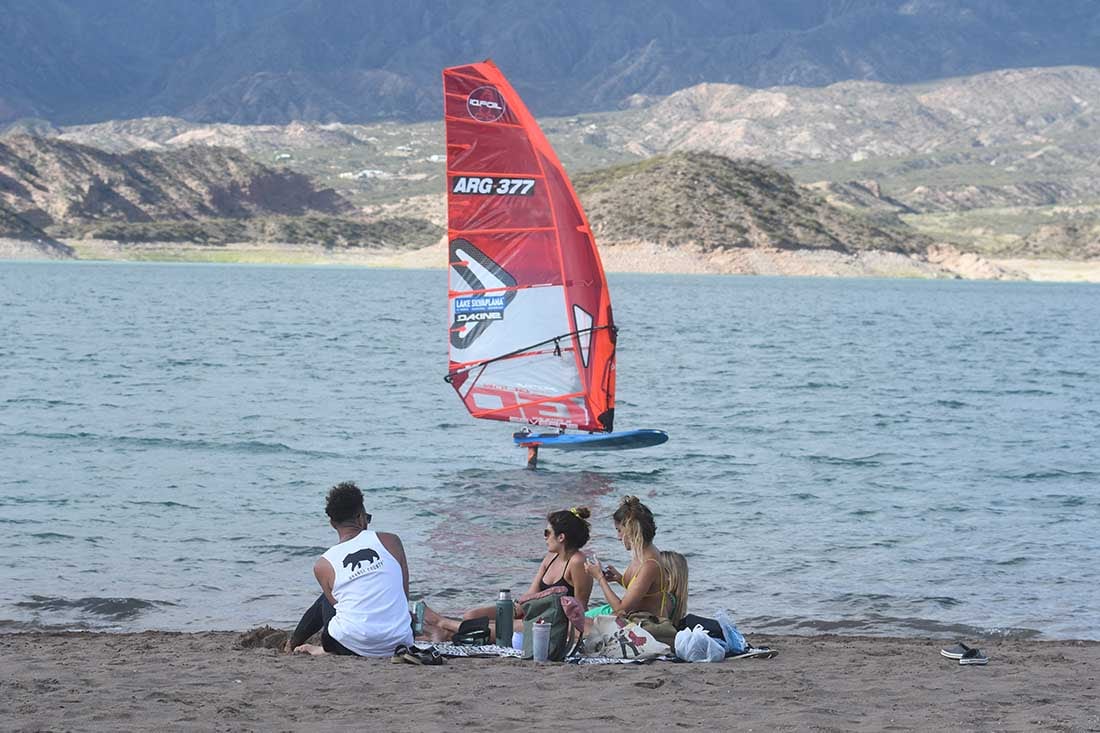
x=675 y=566
x=645 y=582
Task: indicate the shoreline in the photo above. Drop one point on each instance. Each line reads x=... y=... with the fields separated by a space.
x=622 y=257
x=204 y=680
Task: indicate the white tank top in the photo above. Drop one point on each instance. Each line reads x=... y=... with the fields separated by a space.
x=372 y=611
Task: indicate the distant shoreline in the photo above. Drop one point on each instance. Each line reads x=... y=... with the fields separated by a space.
x=627 y=257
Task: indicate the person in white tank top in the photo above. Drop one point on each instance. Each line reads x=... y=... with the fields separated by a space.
x=363 y=608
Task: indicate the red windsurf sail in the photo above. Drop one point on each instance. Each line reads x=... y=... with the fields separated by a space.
x=531 y=335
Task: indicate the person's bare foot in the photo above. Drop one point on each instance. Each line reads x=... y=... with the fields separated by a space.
x=311 y=649
x=440 y=623
x=435 y=633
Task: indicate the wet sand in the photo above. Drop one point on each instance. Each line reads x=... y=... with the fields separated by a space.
x=205 y=681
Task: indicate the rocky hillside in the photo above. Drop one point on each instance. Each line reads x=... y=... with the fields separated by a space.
x=54 y=183
x=1069 y=240
x=859 y=120
x=714 y=203
x=208 y=195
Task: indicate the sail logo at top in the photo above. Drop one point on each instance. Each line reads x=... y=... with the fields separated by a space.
x=485 y=104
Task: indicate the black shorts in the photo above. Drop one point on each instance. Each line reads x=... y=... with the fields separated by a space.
x=332 y=646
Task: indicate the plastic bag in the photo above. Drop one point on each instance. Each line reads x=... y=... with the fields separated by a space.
x=696 y=645
x=735 y=642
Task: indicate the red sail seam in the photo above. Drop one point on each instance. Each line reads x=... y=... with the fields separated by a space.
x=471 y=119
x=460 y=293
x=506 y=230
x=502 y=174
x=471 y=77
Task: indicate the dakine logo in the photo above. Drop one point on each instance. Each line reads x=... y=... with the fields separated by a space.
x=485 y=104
x=479 y=308
x=490 y=185
x=470 y=317
x=368 y=555
x=494 y=288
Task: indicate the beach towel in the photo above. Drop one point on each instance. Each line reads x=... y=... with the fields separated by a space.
x=448 y=649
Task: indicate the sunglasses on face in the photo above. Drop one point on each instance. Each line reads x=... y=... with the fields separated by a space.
x=546 y=534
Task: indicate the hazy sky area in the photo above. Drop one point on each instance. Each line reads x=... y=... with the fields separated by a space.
x=252 y=61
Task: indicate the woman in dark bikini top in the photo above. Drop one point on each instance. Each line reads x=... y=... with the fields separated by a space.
x=566 y=533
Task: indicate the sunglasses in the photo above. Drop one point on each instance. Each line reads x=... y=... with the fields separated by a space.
x=546 y=534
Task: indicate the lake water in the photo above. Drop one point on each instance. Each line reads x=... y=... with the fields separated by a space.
x=851 y=456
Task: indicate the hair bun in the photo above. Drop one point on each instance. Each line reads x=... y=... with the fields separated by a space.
x=630 y=501
x=581 y=512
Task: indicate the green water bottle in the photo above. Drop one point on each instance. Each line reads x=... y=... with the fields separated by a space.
x=504 y=617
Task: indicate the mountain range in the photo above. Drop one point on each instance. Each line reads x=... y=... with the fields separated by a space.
x=1004 y=163
x=276 y=61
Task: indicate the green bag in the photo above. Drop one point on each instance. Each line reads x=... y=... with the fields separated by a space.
x=661 y=629
x=546 y=606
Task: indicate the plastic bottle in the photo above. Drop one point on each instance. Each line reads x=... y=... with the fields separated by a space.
x=418 y=609
x=540 y=640
x=505 y=614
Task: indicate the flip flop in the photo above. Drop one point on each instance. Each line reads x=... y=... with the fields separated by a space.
x=399 y=654
x=973 y=656
x=757 y=652
x=955 y=652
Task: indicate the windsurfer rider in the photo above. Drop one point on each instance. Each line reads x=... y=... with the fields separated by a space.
x=533 y=450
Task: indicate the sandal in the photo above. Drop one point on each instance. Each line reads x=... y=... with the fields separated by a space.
x=955 y=652
x=756 y=652
x=429 y=657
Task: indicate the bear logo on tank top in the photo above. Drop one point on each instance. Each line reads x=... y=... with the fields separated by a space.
x=354 y=559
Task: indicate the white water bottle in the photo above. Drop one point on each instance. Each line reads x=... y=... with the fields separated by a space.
x=540 y=640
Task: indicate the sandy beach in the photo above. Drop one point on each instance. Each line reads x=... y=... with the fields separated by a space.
x=205 y=681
